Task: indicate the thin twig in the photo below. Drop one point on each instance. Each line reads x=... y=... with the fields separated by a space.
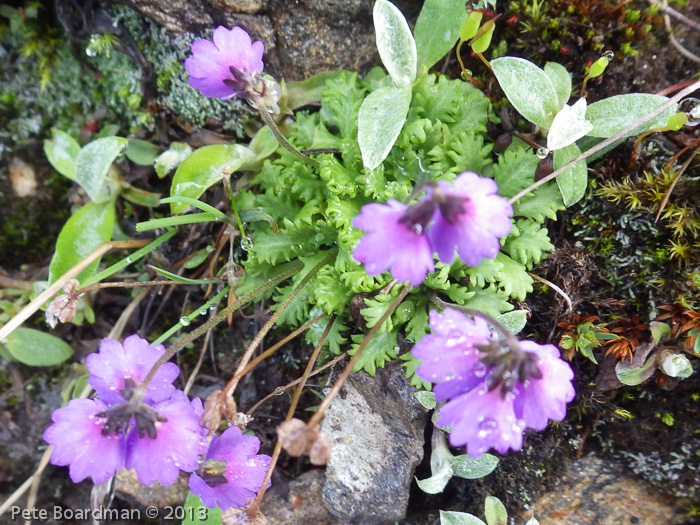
x=607 y=142
x=555 y=288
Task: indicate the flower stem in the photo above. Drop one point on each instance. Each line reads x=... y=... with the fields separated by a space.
x=318 y=415
x=227 y=392
x=510 y=339
x=199 y=331
x=262 y=108
x=607 y=142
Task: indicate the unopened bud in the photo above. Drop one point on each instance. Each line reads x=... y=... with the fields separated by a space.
x=294 y=436
x=63 y=307
x=211 y=416
x=230 y=409
x=241 y=420
x=320 y=451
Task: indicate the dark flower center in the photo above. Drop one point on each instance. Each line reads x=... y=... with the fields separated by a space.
x=451 y=206
x=212 y=472
x=418 y=216
x=119 y=415
x=508 y=367
x=241 y=82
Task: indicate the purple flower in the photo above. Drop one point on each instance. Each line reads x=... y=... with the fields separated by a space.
x=115 y=363
x=179 y=440
x=392 y=244
x=241 y=477
x=469 y=217
x=77 y=436
x=493 y=392
x=224 y=68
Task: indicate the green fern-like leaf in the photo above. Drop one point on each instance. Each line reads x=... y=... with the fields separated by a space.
x=465 y=152
x=543 y=203
x=341 y=101
x=514 y=171
x=528 y=242
x=380 y=350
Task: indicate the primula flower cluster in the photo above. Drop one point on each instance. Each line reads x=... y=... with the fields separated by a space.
x=466 y=217
x=493 y=392
x=157 y=436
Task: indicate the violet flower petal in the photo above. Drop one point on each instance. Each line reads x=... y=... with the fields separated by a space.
x=177 y=446
x=245 y=470
x=115 y=362
x=390 y=244
x=76 y=434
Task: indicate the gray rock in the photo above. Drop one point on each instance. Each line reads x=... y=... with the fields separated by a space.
x=301 y=37
x=600 y=491
x=302 y=505
x=375 y=427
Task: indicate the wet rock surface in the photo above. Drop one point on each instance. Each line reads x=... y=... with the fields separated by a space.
x=600 y=491
x=375 y=427
x=301 y=505
x=301 y=38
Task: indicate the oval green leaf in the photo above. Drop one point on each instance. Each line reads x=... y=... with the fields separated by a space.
x=528 y=89
x=437 y=30
x=62 y=151
x=142 y=152
x=612 y=115
x=196 y=513
x=395 y=43
x=573 y=182
x=514 y=321
x=205 y=167
x=171 y=158
x=379 y=122
x=473 y=468
x=34 y=348
x=84 y=231
x=495 y=512
x=92 y=165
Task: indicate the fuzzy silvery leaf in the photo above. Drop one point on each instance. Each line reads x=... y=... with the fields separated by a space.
x=427 y=399
x=514 y=321
x=379 y=122
x=677 y=365
x=528 y=88
x=458 y=518
x=572 y=183
x=473 y=468
x=611 y=115
x=495 y=512
x=395 y=43
x=62 y=151
x=568 y=126
x=92 y=165
x=561 y=80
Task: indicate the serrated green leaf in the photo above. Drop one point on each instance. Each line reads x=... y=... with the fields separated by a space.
x=331 y=295
x=411 y=363
x=334 y=339
x=417 y=326
x=561 y=80
x=574 y=181
x=513 y=278
x=92 y=165
x=380 y=350
x=84 y=231
x=487 y=272
x=395 y=43
x=543 y=203
x=142 y=152
x=34 y=348
x=613 y=114
x=491 y=301
x=341 y=101
x=531 y=245
x=308 y=91
x=528 y=89
x=375 y=309
x=204 y=168
x=568 y=126
x=61 y=151
x=466 y=151
x=514 y=171
x=381 y=117
x=437 y=30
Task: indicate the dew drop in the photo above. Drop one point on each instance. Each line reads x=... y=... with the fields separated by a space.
x=129 y=260
x=691 y=107
x=609 y=54
x=185 y=321
x=90 y=52
x=480 y=370
x=542 y=153
x=203 y=311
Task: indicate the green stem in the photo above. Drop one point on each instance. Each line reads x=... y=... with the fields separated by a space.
x=231 y=385
x=262 y=108
x=211 y=323
x=607 y=142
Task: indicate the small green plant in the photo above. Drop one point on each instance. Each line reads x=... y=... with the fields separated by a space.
x=583 y=334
